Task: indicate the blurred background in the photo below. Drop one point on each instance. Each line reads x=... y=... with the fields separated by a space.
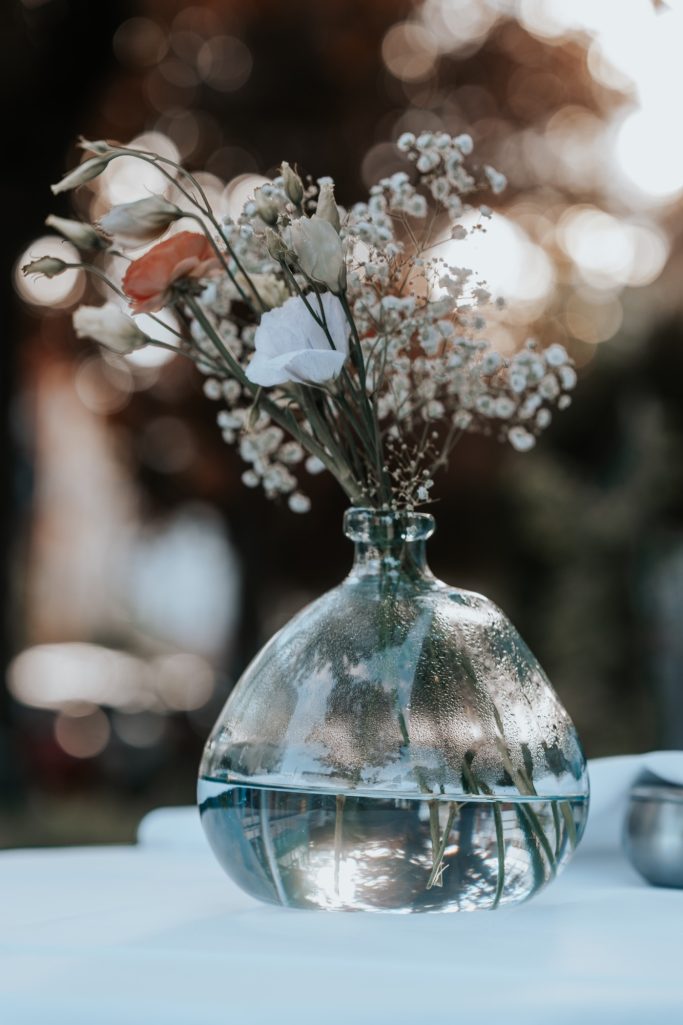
x=139 y=575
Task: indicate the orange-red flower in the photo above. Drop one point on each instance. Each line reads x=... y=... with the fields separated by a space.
x=148 y=280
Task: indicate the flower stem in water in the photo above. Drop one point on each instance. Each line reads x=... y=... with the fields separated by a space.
x=338 y=827
x=439 y=848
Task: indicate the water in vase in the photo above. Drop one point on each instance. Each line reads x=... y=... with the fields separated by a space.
x=356 y=853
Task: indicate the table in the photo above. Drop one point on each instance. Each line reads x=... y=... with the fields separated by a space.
x=156 y=933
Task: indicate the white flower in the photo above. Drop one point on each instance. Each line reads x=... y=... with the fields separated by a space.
x=85 y=172
x=109 y=326
x=405 y=141
x=568 y=377
x=417 y=206
x=291 y=453
x=266 y=207
x=48 y=266
x=314 y=465
x=462 y=419
x=426 y=162
x=293 y=185
x=319 y=251
x=521 y=439
x=299 y=503
x=327 y=207
x=99 y=146
x=505 y=407
x=548 y=387
x=491 y=362
x=496 y=180
x=141 y=221
x=83 y=236
x=556 y=355
x=291 y=346
x=464 y=144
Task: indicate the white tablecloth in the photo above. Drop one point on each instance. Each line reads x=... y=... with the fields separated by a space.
x=156 y=933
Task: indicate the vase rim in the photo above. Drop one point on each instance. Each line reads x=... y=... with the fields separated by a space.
x=384 y=526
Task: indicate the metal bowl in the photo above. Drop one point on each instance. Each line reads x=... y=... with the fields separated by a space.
x=653 y=833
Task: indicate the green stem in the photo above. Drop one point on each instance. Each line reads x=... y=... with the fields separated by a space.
x=438 y=850
x=500 y=851
x=567 y=815
x=278 y=415
x=367 y=407
x=340 y=801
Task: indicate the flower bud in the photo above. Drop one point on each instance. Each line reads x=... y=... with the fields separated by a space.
x=294 y=187
x=141 y=221
x=48 y=266
x=275 y=245
x=109 y=326
x=327 y=208
x=266 y=208
x=85 y=172
x=319 y=251
x=101 y=147
x=83 y=236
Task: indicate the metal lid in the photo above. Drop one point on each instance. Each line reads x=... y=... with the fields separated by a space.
x=657 y=792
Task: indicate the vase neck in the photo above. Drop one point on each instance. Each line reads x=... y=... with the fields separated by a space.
x=389 y=543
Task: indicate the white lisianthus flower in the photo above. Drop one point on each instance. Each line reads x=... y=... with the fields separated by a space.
x=109 y=326
x=141 y=221
x=319 y=251
x=292 y=346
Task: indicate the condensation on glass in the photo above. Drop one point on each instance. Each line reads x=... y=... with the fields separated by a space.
x=395 y=747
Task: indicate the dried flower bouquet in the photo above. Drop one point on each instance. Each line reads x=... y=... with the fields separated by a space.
x=333 y=338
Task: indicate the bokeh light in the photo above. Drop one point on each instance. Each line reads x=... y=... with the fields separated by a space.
x=103 y=388
x=240 y=190
x=128 y=178
x=409 y=52
x=140 y=41
x=513 y=267
x=593 y=317
x=72 y=676
x=610 y=252
x=224 y=63
x=82 y=732
x=56 y=676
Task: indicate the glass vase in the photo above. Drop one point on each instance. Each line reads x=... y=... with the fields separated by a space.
x=395 y=747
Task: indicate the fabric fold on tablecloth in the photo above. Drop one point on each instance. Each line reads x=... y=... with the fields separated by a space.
x=611 y=781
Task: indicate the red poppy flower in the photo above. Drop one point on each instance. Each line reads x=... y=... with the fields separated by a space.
x=149 y=279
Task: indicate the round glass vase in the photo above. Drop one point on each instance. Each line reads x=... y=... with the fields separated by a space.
x=395 y=747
